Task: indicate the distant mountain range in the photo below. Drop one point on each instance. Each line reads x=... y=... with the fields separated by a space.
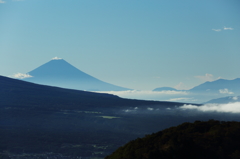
x=225 y=100
x=59 y=72
x=220 y=86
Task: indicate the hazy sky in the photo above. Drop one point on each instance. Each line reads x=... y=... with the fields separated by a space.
x=139 y=44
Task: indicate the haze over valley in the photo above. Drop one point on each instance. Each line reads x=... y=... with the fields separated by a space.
x=58 y=72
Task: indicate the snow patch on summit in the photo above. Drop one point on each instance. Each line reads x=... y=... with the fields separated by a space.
x=56 y=58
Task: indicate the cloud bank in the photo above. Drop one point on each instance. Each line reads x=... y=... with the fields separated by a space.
x=220 y=108
x=1 y=1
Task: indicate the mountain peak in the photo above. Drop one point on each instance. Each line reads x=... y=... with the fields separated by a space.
x=59 y=72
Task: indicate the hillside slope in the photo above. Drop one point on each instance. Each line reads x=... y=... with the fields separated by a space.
x=198 y=140
x=25 y=94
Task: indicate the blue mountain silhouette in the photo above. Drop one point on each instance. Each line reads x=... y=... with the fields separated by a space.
x=216 y=86
x=62 y=74
x=165 y=89
x=210 y=90
x=211 y=87
x=225 y=100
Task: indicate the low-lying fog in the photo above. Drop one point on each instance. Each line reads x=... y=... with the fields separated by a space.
x=174 y=96
x=231 y=108
x=230 y=111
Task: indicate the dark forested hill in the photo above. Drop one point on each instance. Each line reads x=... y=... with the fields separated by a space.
x=198 y=140
x=42 y=119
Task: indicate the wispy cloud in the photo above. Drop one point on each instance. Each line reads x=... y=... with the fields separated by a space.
x=225 y=91
x=207 y=77
x=228 y=28
x=224 y=28
x=182 y=99
x=224 y=108
x=181 y=86
x=20 y=76
x=217 y=30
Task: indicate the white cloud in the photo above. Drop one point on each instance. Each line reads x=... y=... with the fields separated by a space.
x=235 y=98
x=2 y=1
x=224 y=28
x=217 y=30
x=21 y=76
x=150 y=109
x=56 y=58
x=129 y=110
x=228 y=28
x=225 y=91
x=225 y=108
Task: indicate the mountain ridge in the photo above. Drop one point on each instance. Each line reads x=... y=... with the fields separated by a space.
x=15 y=92
x=216 y=85
x=210 y=86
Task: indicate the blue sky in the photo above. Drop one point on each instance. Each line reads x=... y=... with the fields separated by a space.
x=137 y=44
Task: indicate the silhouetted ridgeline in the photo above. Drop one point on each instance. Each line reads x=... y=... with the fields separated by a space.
x=17 y=93
x=198 y=140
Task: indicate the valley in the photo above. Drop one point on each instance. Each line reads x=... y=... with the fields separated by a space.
x=38 y=119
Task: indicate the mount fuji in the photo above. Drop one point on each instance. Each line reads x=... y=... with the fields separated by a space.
x=60 y=73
